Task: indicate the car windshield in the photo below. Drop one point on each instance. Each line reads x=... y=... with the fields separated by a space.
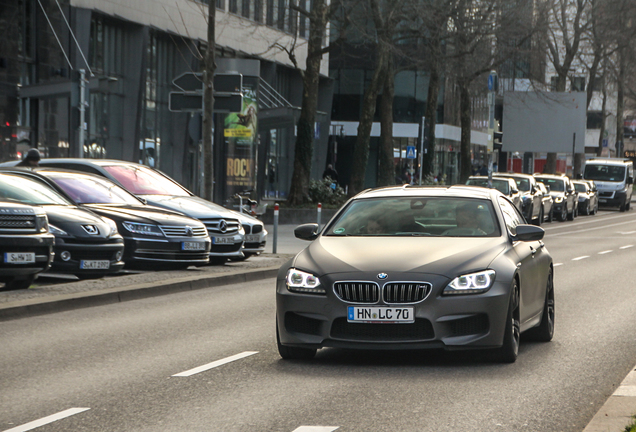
x=523 y=184
x=421 y=216
x=500 y=185
x=556 y=185
x=27 y=191
x=579 y=187
x=142 y=180
x=93 y=190
x=604 y=173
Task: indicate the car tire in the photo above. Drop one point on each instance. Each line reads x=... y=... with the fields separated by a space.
x=629 y=203
x=18 y=284
x=540 y=218
x=623 y=206
x=545 y=330
x=509 y=351
x=571 y=215
x=564 y=214
x=293 y=353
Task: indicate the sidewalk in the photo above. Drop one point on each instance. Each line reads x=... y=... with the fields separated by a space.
x=615 y=414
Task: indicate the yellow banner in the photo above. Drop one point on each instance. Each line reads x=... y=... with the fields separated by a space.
x=237 y=133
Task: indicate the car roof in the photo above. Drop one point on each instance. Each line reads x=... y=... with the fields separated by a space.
x=608 y=161
x=100 y=162
x=455 y=191
x=510 y=175
x=552 y=176
x=486 y=178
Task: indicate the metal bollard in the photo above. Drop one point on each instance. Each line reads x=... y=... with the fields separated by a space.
x=275 y=228
x=319 y=215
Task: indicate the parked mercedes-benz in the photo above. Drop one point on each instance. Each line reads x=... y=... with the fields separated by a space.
x=505 y=185
x=26 y=246
x=588 y=198
x=154 y=237
x=565 y=197
x=531 y=205
x=158 y=189
x=86 y=244
x=417 y=267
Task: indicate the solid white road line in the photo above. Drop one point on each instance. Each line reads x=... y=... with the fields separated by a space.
x=316 y=428
x=215 y=364
x=580 y=258
x=605 y=252
x=46 y=420
x=626 y=247
x=591 y=229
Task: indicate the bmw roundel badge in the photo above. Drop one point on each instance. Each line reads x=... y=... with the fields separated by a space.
x=382 y=276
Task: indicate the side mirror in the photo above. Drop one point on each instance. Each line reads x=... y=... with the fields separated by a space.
x=307 y=231
x=529 y=233
x=515 y=191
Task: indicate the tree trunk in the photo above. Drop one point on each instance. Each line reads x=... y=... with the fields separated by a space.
x=299 y=190
x=361 y=148
x=209 y=66
x=431 y=121
x=620 y=103
x=465 y=162
x=386 y=169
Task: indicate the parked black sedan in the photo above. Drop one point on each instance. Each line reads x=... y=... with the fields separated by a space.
x=417 y=267
x=26 y=246
x=155 y=238
x=86 y=244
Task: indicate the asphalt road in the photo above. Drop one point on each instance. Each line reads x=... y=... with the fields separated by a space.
x=117 y=363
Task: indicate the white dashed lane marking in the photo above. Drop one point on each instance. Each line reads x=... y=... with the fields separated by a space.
x=316 y=428
x=580 y=258
x=558 y=264
x=46 y=420
x=214 y=364
x=626 y=247
x=605 y=252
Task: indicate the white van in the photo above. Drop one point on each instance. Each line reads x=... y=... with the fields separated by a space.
x=614 y=178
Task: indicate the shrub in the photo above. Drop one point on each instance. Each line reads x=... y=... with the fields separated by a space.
x=326 y=191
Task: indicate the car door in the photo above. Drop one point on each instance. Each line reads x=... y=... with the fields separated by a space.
x=529 y=257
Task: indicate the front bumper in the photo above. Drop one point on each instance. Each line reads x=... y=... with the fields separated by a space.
x=81 y=252
x=226 y=245
x=41 y=245
x=615 y=199
x=255 y=243
x=449 y=322
x=144 y=251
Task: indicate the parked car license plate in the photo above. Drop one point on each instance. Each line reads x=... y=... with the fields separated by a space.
x=193 y=246
x=19 y=257
x=252 y=238
x=389 y=315
x=94 y=264
x=222 y=240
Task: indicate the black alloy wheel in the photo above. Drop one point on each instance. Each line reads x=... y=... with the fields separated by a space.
x=293 y=353
x=571 y=215
x=545 y=330
x=564 y=213
x=512 y=334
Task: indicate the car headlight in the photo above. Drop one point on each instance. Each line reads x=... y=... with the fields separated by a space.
x=112 y=225
x=56 y=231
x=41 y=223
x=473 y=283
x=145 y=229
x=303 y=282
x=558 y=199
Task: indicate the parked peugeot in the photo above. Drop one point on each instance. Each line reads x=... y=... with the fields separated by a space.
x=86 y=244
x=155 y=238
x=25 y=243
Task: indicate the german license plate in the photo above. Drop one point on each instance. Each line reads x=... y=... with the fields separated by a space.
x=252 y=238
x=222 y=240
x=19 y=257
x=193 y=246
x=94 y=264
x=387 y=315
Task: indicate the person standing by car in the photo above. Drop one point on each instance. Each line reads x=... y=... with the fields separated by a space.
x=31 y=160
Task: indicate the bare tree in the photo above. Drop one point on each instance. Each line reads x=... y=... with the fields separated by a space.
x=209 y=67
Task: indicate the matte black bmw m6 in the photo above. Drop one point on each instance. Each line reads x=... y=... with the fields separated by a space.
x=418 y=267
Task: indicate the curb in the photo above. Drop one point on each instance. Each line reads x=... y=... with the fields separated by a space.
x=618 y=411
x=65 y=302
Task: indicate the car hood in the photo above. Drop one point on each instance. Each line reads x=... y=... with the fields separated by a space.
x=434 y=255
x=192 y=206
x=142 y=214
x=73 y=219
